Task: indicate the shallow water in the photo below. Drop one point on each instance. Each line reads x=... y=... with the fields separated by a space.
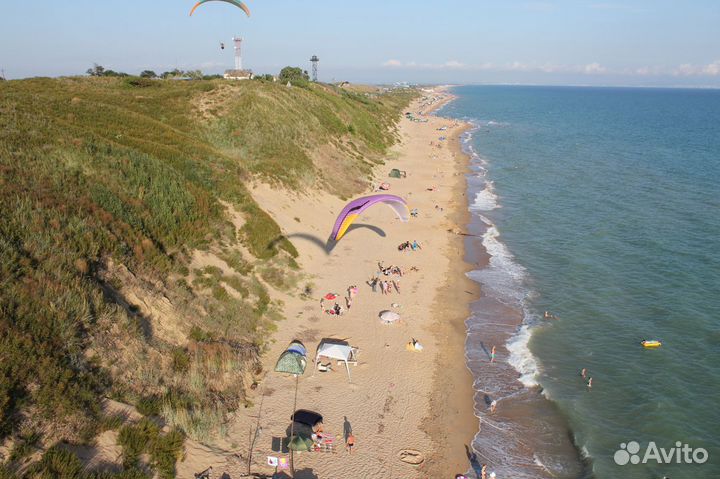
x=600 y=205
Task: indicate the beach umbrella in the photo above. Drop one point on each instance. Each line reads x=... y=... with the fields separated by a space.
x=389 y=316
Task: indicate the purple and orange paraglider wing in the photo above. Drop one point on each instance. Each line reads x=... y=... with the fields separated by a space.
x=356 y=207
x=237 y=3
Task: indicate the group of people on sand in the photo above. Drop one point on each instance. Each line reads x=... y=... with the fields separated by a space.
x=386 y=285
x=337 y=309
x=414 y=246
x=388 y=270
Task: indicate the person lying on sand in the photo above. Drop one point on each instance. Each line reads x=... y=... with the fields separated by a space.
x=323 y=368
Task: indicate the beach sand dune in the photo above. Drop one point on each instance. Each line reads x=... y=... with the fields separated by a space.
x=396 y=399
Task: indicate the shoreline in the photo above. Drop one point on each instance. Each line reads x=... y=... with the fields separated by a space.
x=527 y=429
x=453 y=422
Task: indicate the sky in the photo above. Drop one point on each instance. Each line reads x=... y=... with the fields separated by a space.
x=554 y=42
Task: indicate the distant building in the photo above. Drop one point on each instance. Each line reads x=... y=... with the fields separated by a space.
x=238 y=75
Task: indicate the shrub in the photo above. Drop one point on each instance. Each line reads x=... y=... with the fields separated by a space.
x=136 y=439
x=295 y=75
x=145 y=437
x=200 y=335
x=57 y=463
x=148 y=405
x=140 y=82
x=180 y=360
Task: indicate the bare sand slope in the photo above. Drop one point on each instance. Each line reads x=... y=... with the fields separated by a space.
x=396 y=399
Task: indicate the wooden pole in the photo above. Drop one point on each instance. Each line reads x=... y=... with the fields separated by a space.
x=292 y=428
x=257 y=428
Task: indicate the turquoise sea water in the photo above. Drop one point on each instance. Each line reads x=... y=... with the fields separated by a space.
x=604 y=208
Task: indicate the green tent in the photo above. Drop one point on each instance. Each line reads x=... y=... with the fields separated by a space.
x=394 y=173
x=291 y=362
x=299 y=443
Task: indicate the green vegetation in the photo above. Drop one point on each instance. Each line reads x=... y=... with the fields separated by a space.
x=59 y=463
x=145 y=437
x=295 y=75
x=107 y=186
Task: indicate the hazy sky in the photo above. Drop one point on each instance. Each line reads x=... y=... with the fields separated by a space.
x=613 y=42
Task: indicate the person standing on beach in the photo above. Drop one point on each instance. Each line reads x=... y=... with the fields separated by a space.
x=493 y=405
x=492 y=355
x=483 y=471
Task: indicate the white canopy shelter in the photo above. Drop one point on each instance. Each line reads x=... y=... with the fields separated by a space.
x=339 y=350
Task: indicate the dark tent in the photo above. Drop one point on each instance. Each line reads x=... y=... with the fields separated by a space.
x=309 y=418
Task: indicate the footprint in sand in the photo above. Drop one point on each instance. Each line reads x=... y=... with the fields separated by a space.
x=411 y=456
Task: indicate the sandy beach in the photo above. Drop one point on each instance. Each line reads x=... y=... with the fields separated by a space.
x=397 y=400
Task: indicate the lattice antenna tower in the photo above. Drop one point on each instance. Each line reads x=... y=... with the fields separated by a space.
x=314 y=60
x=237 y=41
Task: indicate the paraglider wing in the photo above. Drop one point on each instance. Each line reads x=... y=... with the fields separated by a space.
x=237 y=3
x=356 y=207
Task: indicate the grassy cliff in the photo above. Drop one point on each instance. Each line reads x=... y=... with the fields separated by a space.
x=110 y=191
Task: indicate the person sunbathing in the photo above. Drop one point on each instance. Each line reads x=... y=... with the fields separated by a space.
x=323 y=368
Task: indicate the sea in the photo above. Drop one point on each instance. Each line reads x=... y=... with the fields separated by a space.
x=600 y=206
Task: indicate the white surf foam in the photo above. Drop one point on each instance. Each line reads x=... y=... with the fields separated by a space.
x=503 y=278
x=521 y=358
x=485 y=200
x=497 y=123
